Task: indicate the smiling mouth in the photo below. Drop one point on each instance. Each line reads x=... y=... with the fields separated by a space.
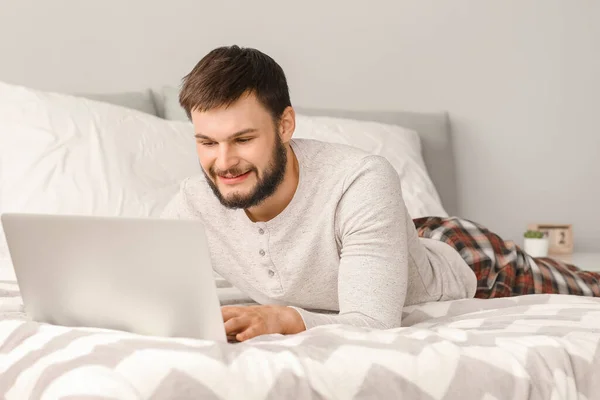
x=233 y=176
x=230 y=179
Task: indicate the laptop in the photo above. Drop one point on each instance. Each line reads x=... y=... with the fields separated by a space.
x=147 y=276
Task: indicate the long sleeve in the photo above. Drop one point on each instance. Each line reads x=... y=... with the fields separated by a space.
x=374 y=229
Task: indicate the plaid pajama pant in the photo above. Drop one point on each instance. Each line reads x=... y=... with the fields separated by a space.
x=502 y=268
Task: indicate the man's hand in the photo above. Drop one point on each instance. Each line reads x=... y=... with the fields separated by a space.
x=243 y=323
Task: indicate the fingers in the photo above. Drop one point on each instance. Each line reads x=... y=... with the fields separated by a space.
x=243 y=323
x=237 y=324
x=235 y=319
x=229 y=312
x=249 y=333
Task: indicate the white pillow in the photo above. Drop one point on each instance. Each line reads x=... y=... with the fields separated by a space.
x=400 y=146
x=62 y=154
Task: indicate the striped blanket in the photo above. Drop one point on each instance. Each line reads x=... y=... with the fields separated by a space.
x=514 y=342
x=523 y=347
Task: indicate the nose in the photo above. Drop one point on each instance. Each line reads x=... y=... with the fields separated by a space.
x=226 y=157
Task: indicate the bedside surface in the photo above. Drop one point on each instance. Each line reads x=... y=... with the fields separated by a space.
x=588 y=261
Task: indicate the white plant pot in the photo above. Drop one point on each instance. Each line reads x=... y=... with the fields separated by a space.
x=536 y=247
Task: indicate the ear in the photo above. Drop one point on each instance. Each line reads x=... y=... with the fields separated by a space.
x=287 y=124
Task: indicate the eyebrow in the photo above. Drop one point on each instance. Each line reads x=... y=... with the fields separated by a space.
x=240 y=133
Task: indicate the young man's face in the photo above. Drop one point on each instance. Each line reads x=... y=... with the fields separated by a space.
x=241 y=153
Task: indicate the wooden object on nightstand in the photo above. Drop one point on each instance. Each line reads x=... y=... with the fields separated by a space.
x=560 y=237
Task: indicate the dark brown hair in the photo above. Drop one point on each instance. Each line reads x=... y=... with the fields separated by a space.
x=226 y=73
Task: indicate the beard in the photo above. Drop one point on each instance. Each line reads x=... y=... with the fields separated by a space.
x=267 y=183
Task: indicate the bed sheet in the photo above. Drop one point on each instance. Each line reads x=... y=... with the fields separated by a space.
x=534 y=347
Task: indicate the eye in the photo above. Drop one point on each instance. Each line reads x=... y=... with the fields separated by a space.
x=207 y=144
x=244 y=140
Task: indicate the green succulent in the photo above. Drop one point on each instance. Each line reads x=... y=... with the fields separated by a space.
x=531 y=234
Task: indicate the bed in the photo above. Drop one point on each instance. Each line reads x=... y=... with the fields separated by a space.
x=529 y=347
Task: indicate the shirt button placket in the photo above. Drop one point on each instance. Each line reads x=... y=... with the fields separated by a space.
x=264 y=245
x=267 y=262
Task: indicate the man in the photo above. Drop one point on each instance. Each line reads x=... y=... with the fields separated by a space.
x=316 y=233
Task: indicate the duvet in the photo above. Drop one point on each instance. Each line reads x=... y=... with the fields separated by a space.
x=528 y=347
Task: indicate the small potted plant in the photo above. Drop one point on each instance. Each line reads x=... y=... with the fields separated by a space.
x=536 y=245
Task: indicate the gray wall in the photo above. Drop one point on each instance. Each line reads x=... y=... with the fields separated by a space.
x=520 y=78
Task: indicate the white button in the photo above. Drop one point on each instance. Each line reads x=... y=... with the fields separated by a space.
x=261 y=252
x=271 y=273
x=261 y=231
